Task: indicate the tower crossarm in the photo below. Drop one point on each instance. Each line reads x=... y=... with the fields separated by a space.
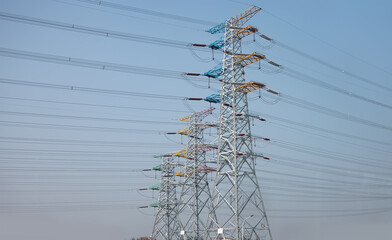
x=181 y=153
x=201 y=114
x=243 y=32
x=249 y=87
x=184 y=131
x=246 y=59
x=180 y=173
x=241 y=18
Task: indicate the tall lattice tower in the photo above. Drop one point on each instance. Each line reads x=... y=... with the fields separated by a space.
x=237 y=209
x=166 y=225
x=195 y=194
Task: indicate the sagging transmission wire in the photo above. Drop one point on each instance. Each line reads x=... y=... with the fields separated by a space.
x=86 y=143
x=173 y=43
x=317 y=167
x=86 y=89
x=305 y=78
x=106 y=66
x=329 y=65
x=326 y=43
x=375 y=163
x=325 y=191
x=301 y=131
x=149 y=12
x=93 y=64
x=337 y=185
x=22 y=151
x=314 y=167
x=90 y=104
x=327 y=111
x=147 y=95
x=166 y=42
x=323 y=194
x=272 y=41
x=30 y=114
x=200 y=21
x=269 y=116
x=370 y=162
x=329 y=189
x=99 y=32
x=381 y=183
x=315 y=179
x=79 y=127
x=317 y=128
x=79 y=142
x=312 y=80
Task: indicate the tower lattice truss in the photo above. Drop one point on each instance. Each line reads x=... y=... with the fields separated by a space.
x=195 y=191
x=185 y=195
x=237 y=210
x=166 y=225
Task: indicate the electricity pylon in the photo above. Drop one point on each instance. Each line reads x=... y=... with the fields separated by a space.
x=237 y=209
x=195 y=194
x=166 y=225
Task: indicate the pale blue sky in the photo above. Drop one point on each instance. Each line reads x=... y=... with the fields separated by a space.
x=58 y=181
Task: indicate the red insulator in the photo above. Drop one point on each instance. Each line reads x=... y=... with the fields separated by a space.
x=227 y=105
x=239 y=114
x=167 y=175
x=267 y=139
x=193 y=74
x=195 y=99
x=241 y=134
x=143 y=207
x=145 y=170
x=142 y=189
x=267 y=158
x=167 y=155
x=171 y=133
x=262 y=119
x=240 y=154
x=199 y=45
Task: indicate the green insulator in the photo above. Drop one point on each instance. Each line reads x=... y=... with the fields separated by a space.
x=157 y=168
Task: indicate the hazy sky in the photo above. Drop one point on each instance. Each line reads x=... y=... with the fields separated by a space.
x=75 y=135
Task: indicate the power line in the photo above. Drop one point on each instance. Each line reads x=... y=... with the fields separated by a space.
x=86 y=89
x=316 y=128
x=331 y=112
x=333 y=67
x=359 y=160
x=149 y=12
x=76 y=141
x=98 y=32
x=90 y=63
x=305 y=78
x=325 y=42
x=78 y=127
x=85 y=118
x=332 y=139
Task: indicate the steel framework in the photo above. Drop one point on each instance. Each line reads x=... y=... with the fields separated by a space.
x=237 y=208
x=195 y=194
x=166 y=225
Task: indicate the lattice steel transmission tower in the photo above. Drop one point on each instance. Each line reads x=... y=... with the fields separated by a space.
x=237 y=209
x=195 y=194
x=166 y=225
